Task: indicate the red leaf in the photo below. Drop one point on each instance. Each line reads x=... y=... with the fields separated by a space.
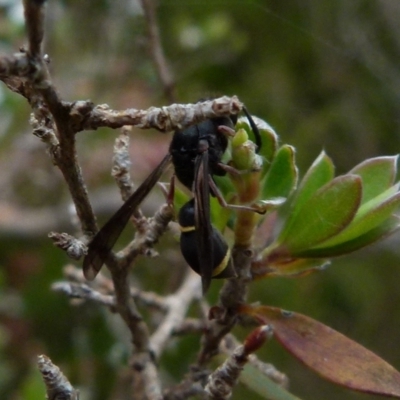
x=329 y=353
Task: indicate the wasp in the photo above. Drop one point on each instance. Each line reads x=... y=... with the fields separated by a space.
x=196 y=153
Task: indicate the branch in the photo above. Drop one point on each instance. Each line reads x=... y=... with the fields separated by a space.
x=122 y=164
x=34 y=17
x=192 y=385
x=178 y=305
x=57 y=385
x=147 y=235
x=104 y=290
x=86 y=116
x=51 y=113
x=190 y=326
x=230 y=343
x=73 y=247
x=17 y=65
x=82 y=291
x=142 y=358
x=222 y=381
x=224 y=316
x=157 y=52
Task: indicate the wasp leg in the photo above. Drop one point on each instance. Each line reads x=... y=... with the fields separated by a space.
x=223 y=203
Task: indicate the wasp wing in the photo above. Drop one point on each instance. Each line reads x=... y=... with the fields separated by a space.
x=205 y=245
x=100 y=247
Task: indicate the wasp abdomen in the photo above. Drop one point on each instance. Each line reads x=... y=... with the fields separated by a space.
x=221 y=262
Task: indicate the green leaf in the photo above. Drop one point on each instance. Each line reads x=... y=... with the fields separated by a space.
x=320 y=173
x=369 y=216
x=329 y=353
x=327 y=212
x=255 y=380
x=380 y=232
x=268 y=149
x=281 y=178
x=377 y=174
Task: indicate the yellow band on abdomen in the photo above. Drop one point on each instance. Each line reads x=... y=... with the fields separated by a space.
x=185 y=229
x=222 y=265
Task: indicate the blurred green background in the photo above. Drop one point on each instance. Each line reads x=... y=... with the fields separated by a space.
x=324 y=74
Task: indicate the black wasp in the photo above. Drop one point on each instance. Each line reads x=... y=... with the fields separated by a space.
x=196 y=154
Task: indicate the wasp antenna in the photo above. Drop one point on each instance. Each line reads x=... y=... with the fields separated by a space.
x=254 y=128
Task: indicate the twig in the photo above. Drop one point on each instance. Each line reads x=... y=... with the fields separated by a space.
x=34 y=17
x=142 y=357
x=148 y=233
x=82 y=291
x=222 y=381
x=224 y=316
x=57 y=385
x=85 y=115
x=178 y=305
x=190 y=325
x=46 y=134
x=50 y=112
x=122 y=164
x=192 y=385
x=230 y=343
x=73 y=247
x=105 y=285
x=157 y=52
x=17 y=65
x=219 y=384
